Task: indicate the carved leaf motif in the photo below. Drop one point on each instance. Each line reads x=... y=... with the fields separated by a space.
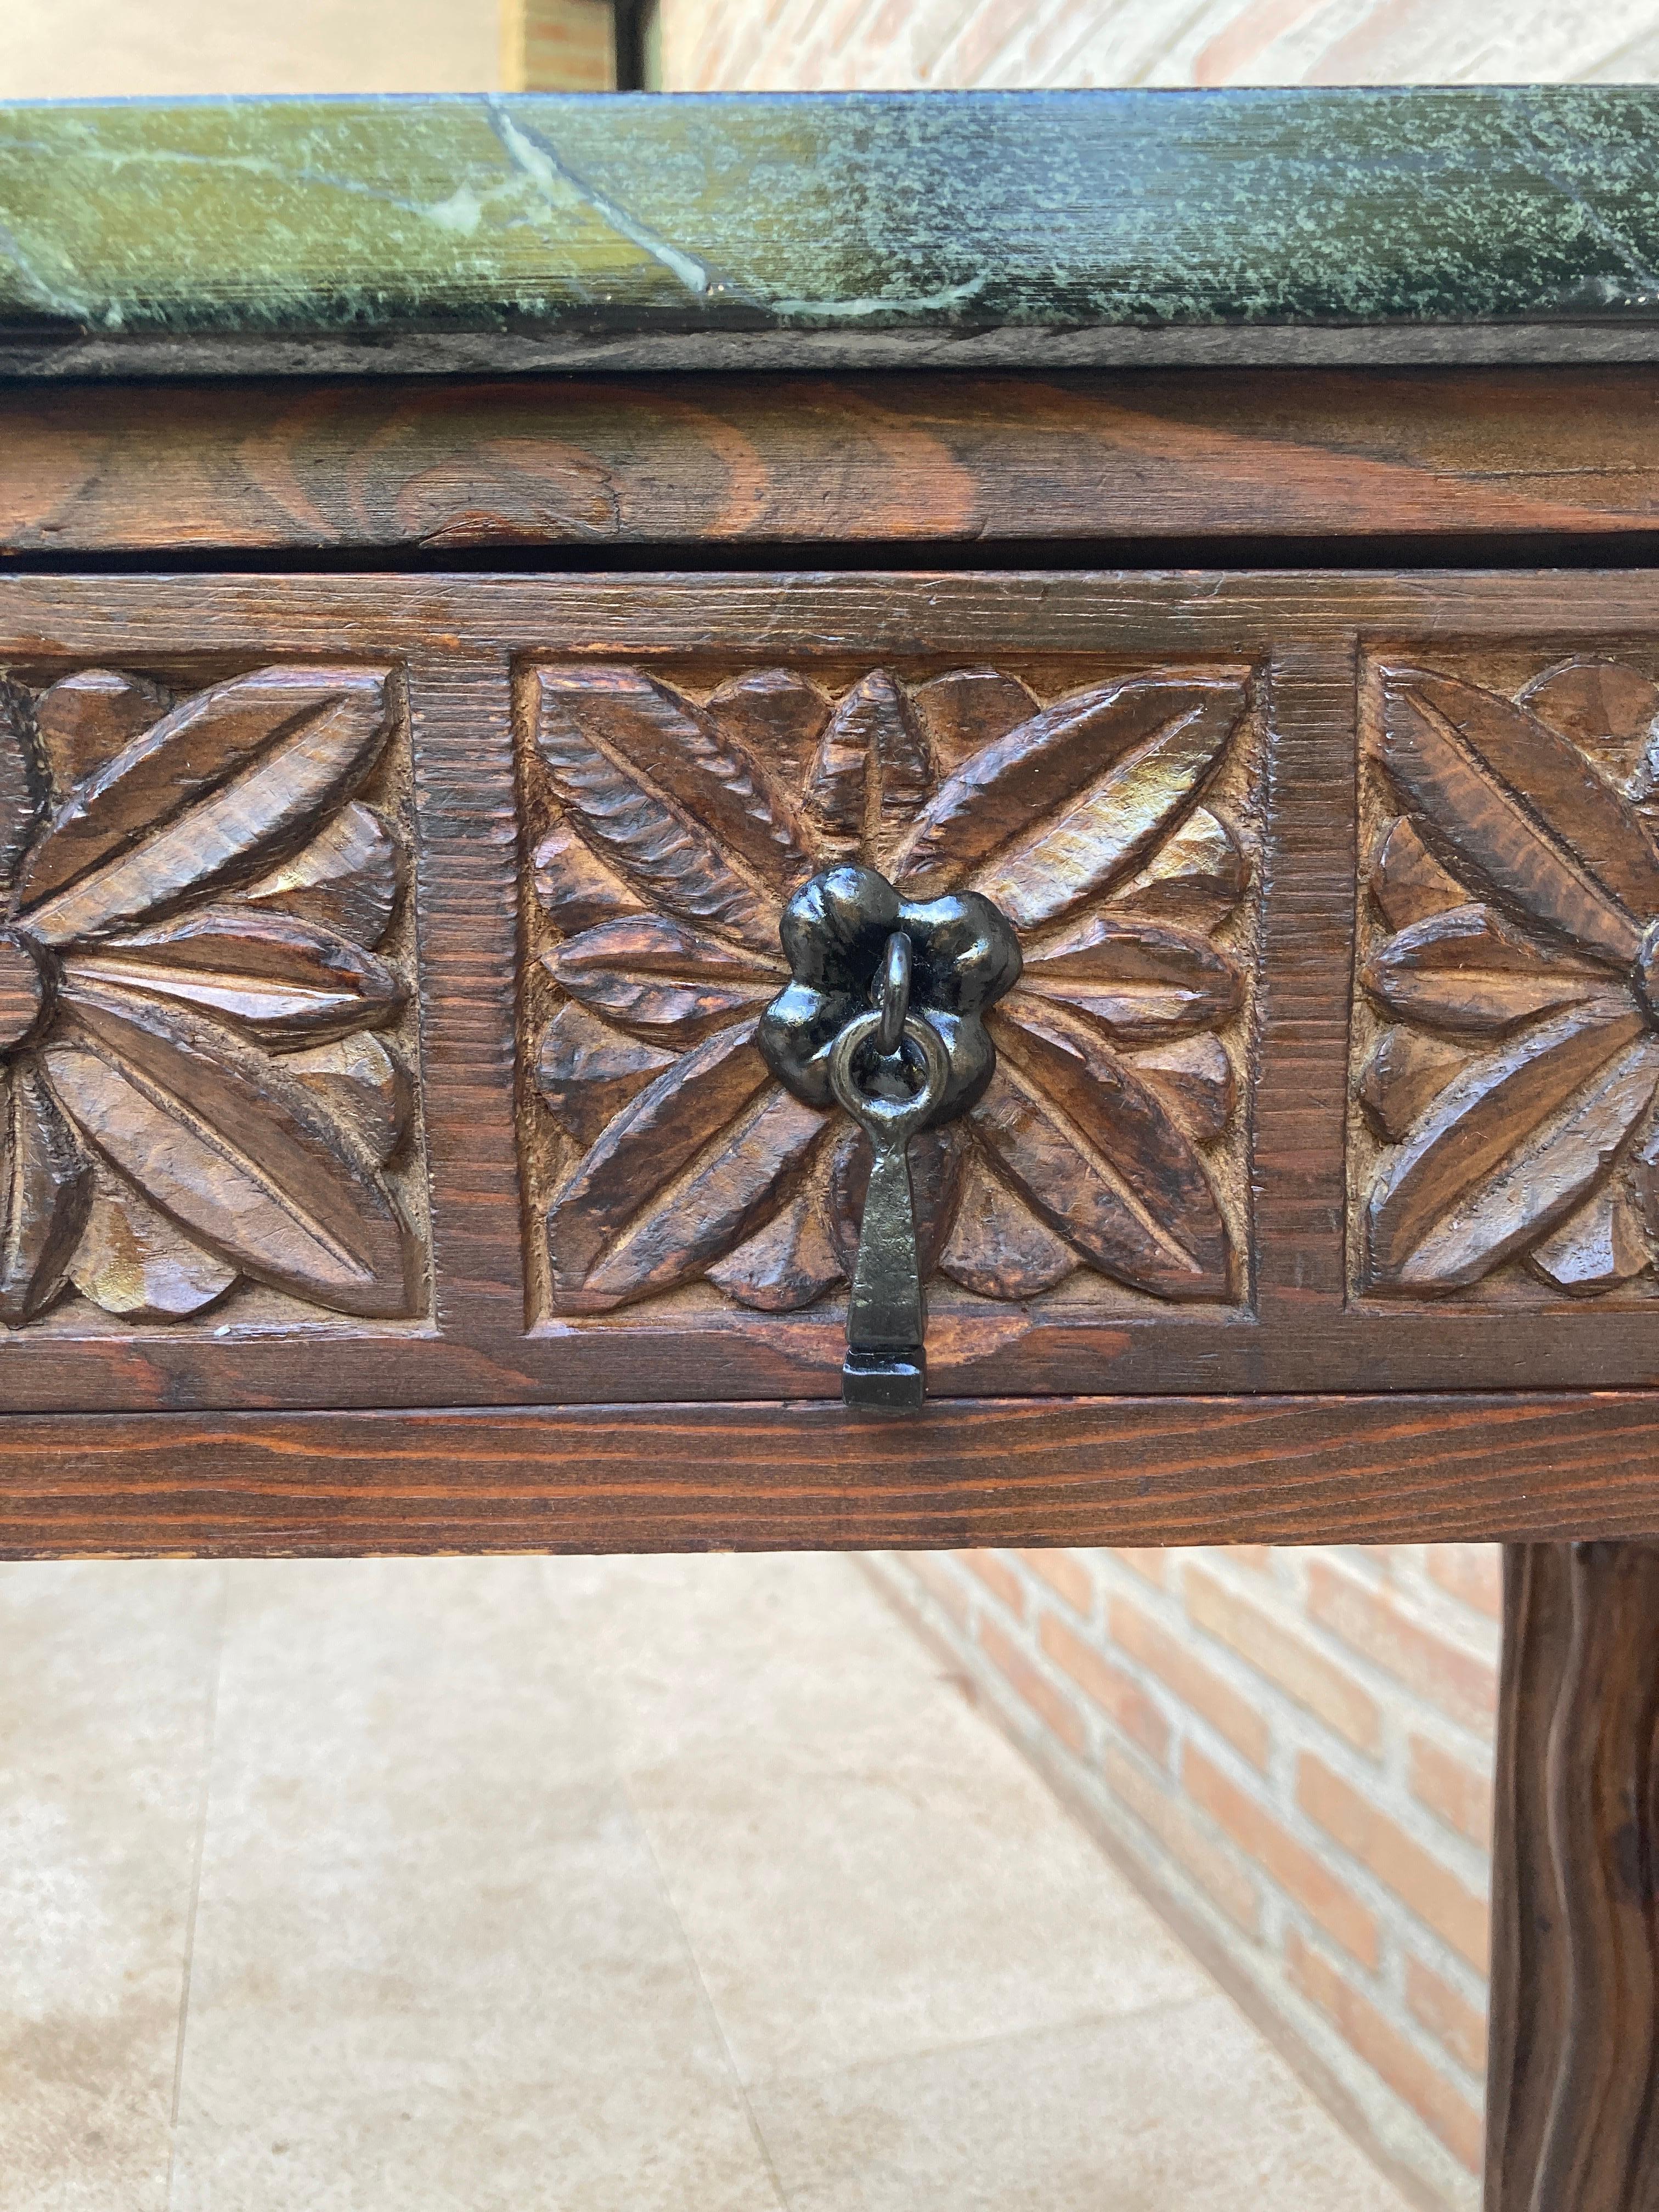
x=1140 y=979
x=1058 y=809
x=1464 y=756
x=1407 y=883
x=649 y=1144
x=235 y=1148
x=650 y=973
x=998 y=1247
x=776 y=717
x=288 y=768
x=659 y=792
x=872 y=766
x=136 y=1264
x=733 y=1187
x=834 y=804
x=21 y=786
x=1596 y=1249
x=968 y=708
x=47 y=1191
x=728 y=1193
x=586 y=1073
x=1038 y=766
x=86 y=718
x=574 y=887
x=273 y=976
x=1610 y=711
x=1196 y=877
x=1195 y=1076
x=1466 y=969
x=787 y=1265
x=345 y=880
x=204 y=742
x=1509 y=1148
x=365 y=1086
x=1404 y=1072
x=1644 y=1177
x=1095 y=1156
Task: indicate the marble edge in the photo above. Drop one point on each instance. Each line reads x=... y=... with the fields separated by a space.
x=1033 y=350
x=625 y=233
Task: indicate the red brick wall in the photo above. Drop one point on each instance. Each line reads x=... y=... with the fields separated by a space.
x=1295 y=1748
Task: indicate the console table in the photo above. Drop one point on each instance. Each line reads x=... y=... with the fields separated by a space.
x=617 y=714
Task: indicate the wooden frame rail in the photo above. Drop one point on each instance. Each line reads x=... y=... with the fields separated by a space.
x=1474 y=1467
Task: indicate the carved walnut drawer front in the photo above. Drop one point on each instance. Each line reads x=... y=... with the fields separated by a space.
x=384 y=962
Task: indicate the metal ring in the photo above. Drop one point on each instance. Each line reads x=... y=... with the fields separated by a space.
x=892 y=1119
x=891 y=993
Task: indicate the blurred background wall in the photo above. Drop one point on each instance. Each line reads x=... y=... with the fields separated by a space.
x=60 y=49
x=733 y=44
x=86 y=49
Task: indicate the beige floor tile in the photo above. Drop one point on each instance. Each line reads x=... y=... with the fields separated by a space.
x=105 y=1713
x=1186 y=2110
x=510 y=1871
x=863 y=1869
x=794 y=1649
x=418 y=2151
x=434 y=1963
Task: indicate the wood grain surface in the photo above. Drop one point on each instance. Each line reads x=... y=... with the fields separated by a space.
x=427 y=466
x=1572 y=2119
x=1465 y=1467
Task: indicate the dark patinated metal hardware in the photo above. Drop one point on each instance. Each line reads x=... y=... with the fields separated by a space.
x=884 y=1019
x=885 y=1370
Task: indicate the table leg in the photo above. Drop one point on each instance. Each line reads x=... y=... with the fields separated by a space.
x=1572 y=2101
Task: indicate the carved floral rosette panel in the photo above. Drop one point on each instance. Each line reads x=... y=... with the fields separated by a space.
x=1112 y=815
x=1505 y=1139
x=206 y=1003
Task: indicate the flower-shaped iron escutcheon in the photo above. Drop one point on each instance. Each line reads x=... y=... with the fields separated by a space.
x=965 y=957
x=187 y=982
x=681 y=829
x=885 y=1014
x=1515 y=1093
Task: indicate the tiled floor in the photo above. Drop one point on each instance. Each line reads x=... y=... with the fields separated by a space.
x=572 y=1886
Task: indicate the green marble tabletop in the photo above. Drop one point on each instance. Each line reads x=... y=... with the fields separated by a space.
x=639 y=230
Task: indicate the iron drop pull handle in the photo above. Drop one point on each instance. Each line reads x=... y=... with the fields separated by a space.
x=883 y=1018
x=885 y=1368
